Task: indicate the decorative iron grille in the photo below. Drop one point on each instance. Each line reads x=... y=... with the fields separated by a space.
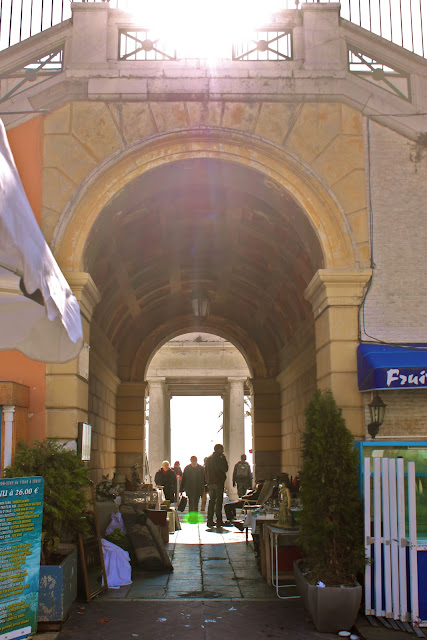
x=137 y=45
x=379 y=73
x=403 y=22
x=265 y=45
x=33 y=72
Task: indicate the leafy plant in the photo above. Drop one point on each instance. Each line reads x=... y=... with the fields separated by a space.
x=65 y=478
x=332 y=515
x=106 y=490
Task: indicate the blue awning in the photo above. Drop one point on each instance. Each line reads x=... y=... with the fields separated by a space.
x=391 y=367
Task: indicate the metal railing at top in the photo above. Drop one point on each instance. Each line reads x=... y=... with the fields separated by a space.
x=403 y=22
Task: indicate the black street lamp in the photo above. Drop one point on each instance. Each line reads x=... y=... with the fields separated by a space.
x=377 y=410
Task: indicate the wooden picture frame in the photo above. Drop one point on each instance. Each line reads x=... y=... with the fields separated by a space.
x=91 y=555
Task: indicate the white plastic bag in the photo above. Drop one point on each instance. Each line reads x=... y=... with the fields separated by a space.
x=115 y=523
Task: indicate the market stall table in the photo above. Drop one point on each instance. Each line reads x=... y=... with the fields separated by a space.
x=257 y=522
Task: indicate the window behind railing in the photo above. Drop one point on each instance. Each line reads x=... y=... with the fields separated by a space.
x=402 y=22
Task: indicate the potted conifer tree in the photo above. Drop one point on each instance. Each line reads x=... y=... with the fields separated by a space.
x=65 y=501
x=331 y=521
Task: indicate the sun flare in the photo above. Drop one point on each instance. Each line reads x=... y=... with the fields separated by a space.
x=203 y=30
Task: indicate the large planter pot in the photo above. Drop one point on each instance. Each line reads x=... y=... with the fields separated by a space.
x=332 y=609
x=57 y=589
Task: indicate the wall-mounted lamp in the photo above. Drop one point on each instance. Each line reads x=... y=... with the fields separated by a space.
x=377 y=410
x=200 y=304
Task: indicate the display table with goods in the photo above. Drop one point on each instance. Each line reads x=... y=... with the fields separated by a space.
x=256 y=521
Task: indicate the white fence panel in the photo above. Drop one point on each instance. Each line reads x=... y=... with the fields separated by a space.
x=386 y=539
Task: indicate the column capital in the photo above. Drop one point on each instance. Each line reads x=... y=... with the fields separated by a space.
x=8 y=411
x=157 y=381
x=85 y=290
x=236 y=379
x=336 y=289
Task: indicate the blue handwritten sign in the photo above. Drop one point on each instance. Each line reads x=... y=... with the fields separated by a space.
x=21 y=512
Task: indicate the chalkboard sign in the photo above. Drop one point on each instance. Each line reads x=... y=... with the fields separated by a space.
x=91 y=556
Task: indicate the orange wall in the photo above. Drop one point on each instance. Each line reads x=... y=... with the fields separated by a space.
x=26 y=141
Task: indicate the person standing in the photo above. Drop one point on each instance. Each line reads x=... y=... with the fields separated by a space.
x=177 y=469
x=178 y=472
x=216 y=470
x=166 y=478
x=242 y=476
x=193 y=484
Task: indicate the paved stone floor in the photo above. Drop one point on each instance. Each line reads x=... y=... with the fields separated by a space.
x=215 y=592
x=208 y=564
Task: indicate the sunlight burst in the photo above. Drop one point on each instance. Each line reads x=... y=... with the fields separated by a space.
x=203 y=30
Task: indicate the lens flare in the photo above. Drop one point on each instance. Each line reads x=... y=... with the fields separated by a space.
x=194 y=518
x=203 y=30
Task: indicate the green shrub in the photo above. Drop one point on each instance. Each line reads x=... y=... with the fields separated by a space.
x=65 y=499
x=332 y=516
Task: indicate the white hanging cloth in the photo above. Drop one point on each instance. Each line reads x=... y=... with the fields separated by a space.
x=51 y=331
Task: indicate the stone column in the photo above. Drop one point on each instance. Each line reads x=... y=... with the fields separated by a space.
x=8 y=414
x=167 y=431
x=67 y=384
x=226 y=439
x=336 y=299
x=158 y=425
x=236 y=445
x=130 y=426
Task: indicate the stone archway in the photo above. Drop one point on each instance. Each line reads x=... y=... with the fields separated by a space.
x=197 y=364
x=283 y=169
x=282 y=185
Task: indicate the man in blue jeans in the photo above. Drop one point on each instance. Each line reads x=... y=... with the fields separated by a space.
x=215 y=469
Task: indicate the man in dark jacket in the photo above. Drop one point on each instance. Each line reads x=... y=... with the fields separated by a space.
x=216 y=469
x=166 y=478
x=193 y=484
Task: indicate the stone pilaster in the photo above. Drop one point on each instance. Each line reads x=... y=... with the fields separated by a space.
x=323 y=44
x=336 y=298
x=158 y=424
x=236 y=441
x=267 y=428
x=67 y=384
x=89 y=42
x=130 y=411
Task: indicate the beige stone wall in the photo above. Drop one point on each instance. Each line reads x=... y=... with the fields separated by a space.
x=266 y=427
x=297 y=383
x=103 y=384
x=130 y=426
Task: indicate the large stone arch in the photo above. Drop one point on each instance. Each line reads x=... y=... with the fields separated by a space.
x=282 y=168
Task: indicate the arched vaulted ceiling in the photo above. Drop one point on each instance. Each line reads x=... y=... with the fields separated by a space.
x=202 y=223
